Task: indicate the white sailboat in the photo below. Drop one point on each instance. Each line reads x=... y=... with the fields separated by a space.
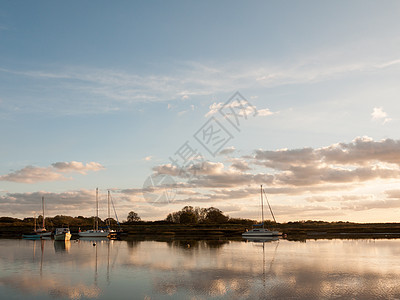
x=42 y=230
x=259 y=230
x=95 y=232
x=110 y=231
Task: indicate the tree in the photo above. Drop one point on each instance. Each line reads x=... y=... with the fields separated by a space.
x=174 y=217
x=197 y=215
x=187 y=217
x=214 y=215
x=133 y=217
x=111 y=221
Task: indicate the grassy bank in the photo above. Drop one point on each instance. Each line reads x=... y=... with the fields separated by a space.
x=310 y=229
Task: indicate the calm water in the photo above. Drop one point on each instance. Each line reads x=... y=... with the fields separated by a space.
x=322 y=269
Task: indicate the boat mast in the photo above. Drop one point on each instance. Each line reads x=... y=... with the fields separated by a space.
x=108 y=202
x=97 y=209
x=262 y=208
x=270 y=209
x=115 y=212
x=43 y=210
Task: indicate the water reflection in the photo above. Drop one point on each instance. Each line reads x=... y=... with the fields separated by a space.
x=261 y=239
x=197 y=244
x=267 y=268
x=62 y=246
x=44 y=273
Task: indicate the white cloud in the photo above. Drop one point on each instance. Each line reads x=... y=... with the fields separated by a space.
x=362 y=151
x=389 y=63
x=77 y=202
x=148 y=158
x=321 y=172
x=241 y=109
x=76 y=166
x=214 y=108
x=379 y=115
x=228 y=150
x=33 y=174
x=181 y=113
x=240 y=164
x=265 y=112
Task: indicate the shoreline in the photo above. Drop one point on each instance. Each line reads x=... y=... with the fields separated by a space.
x=297 y=230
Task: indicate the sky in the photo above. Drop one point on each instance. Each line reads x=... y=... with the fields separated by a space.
x=175 y=103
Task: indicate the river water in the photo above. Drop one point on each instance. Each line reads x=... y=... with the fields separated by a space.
x=200 y=269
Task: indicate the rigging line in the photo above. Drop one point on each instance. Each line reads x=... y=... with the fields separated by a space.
x=273 y=257
x=269 y=206
x=115 y=258
x=115 y=212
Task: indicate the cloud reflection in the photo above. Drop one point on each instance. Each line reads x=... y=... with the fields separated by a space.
x=313 y=269
x=30 y=284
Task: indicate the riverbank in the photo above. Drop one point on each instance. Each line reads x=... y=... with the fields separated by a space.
x=295 y=230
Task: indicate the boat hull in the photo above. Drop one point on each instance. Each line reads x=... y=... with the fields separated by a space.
x=31 y=236
x=66 y=236
x=94 y=233
x=261 y=233
x=46 y=234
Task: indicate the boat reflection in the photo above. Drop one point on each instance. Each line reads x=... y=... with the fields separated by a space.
x=62 y=246
x=94 y=239
x=261 y=239
x=261 y=268
x=40 y=264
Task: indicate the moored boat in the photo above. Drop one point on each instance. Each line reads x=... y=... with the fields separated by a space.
x=42 y=231
x=95 y=232
x=34 y=235
x=62 y=234
x=259 y=230
x=31 y=236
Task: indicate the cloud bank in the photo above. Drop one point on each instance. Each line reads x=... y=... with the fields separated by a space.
x=33 y=174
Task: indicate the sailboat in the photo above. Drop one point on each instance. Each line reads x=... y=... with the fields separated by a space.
x=110 y=231
x=42 y=231
x=32 y=235
x=95 y=232
x=259 y=230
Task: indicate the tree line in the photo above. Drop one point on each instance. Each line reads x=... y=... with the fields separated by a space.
x=195 y=215
x=187 y=215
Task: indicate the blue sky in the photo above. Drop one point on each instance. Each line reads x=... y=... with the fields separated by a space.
x=101 y=94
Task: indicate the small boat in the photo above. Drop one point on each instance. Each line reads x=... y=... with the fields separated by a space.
x=44 y=233
x=31 y=236
x=62 y=234
x=259 y=230
x=34 y=235
x=95 y=232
